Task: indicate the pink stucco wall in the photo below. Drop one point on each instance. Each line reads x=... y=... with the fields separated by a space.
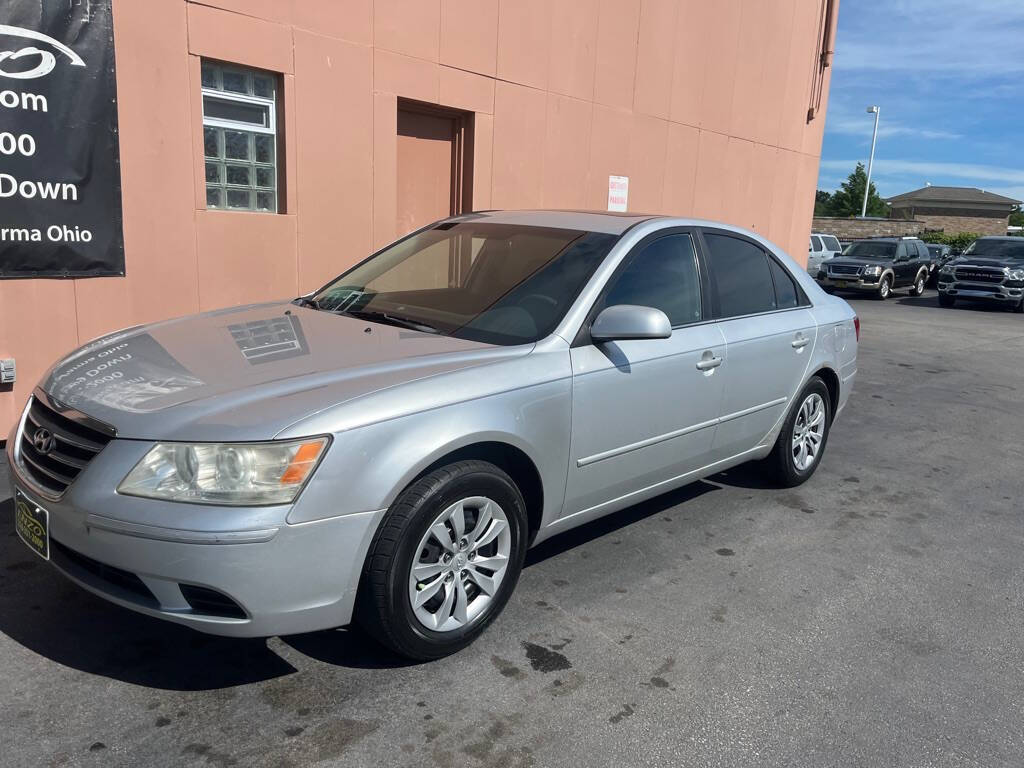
x=703 y=105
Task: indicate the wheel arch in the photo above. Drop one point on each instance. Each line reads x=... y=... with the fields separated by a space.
x=506 y=451
x=512 y=460
x=831 y=379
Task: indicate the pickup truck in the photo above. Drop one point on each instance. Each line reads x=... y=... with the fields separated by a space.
x=990 y=270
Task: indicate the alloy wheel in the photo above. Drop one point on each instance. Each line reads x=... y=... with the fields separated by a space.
x=808 y=432
x=460 y=564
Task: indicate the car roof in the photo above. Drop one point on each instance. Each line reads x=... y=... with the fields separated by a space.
x=587 y=221
x=605 y=222
x=1001 y=237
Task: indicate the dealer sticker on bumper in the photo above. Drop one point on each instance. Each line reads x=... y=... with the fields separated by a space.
x=31 y=523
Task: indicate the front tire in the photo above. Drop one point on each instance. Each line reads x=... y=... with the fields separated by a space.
x=885 y=288
x=946 y=301
x=804 y=434
x=1018 y=308
x=444 y=561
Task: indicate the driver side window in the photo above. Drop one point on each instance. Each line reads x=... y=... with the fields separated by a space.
x=662 y=274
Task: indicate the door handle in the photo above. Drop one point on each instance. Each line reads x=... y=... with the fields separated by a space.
x=800 y=342
x=708 y=362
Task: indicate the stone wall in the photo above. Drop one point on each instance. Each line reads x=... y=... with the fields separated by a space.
x=857 y=229
x=951 y=225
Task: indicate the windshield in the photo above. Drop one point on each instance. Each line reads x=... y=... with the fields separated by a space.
x=496 y=283
x=867 y=249
x=997 y=249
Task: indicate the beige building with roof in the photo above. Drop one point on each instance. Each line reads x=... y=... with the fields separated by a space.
x=955 y=209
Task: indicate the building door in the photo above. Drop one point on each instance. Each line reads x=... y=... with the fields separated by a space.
x=433 y=172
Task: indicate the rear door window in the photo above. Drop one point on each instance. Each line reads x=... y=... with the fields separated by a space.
x=786 y=294
x=831 y=243
x=742 y=275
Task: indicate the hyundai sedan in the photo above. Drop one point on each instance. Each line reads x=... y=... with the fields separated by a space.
x=386 y=449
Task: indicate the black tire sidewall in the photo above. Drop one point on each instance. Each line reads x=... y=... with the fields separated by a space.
x=415 y=639
x=792 y=476
x=885 y=288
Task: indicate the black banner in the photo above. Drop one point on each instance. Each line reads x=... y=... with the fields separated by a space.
x=60 y=175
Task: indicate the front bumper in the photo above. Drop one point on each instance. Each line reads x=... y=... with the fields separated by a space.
x=854 y=283
x=257 y=574
x=995 y=292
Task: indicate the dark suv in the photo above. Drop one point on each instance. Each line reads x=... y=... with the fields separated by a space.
x=940 y=256
x=991 y=269
x=879 y=266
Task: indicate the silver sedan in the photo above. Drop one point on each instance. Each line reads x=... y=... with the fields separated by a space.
x=387 y=448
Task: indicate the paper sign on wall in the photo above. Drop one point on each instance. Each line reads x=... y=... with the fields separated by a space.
x=618 y=193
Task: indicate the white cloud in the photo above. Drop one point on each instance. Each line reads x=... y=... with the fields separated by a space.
x=962 y=39
x=974 y=173
x=854 y=125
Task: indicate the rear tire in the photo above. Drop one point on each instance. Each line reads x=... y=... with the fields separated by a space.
x=1018 y=308
x=802 y=434
x=453 y=571
x=946 y=301
x=918 y=287
x=885 y=288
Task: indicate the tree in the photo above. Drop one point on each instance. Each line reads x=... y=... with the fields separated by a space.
x=822 y=203
x=1016 y=217
x=958 y=241
x=847 y=200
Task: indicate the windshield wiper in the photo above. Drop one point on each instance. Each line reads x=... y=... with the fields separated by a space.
x=384 y=317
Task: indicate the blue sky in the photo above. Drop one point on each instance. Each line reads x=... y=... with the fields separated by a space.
x=949 y=77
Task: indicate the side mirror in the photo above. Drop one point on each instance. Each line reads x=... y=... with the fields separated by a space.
x=628 y=321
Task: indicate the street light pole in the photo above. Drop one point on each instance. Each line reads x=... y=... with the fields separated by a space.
x=871 y=160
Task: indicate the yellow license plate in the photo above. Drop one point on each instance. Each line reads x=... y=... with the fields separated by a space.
x=32 y=524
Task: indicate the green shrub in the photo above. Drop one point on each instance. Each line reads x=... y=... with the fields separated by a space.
x=958 y=242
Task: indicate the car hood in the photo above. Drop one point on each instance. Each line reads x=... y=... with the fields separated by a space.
x=247 y=373
x=847 y=261
x=979 y=261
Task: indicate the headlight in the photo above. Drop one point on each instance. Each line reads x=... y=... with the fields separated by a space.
x=871 y=271
x=1016 y=274
x=225 y=473
x=947 y=269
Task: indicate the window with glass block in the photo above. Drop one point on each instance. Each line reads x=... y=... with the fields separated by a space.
x=240 y=138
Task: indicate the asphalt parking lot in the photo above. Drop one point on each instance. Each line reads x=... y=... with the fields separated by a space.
x=871 y=617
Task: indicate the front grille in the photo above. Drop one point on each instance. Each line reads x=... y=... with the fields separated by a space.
x=108 y=575
x=210 y=602
x=993 y=289
x=980 y=275
x=75 y=443
x=843 y=269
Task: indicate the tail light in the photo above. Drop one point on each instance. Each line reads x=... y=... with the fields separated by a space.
x=856 y=327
